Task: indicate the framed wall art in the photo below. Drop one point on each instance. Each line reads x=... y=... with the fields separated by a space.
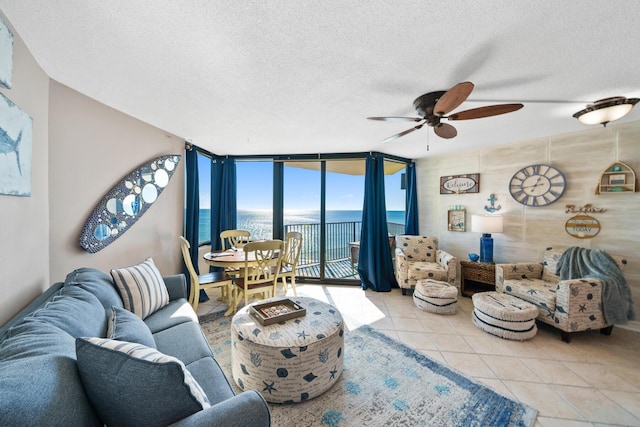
x=16 y=128
x=456 y=220
x=460 y=184
x=6 y=55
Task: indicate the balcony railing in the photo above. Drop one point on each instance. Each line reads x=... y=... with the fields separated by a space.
x=338 y=237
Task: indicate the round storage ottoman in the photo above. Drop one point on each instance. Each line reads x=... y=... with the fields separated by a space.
x=291 y=360
x=435 y=296
x=504 y=315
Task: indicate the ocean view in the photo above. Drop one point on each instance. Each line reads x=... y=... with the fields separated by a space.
x=260 y=223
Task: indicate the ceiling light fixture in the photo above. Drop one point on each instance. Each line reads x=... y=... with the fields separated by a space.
x=606 y=110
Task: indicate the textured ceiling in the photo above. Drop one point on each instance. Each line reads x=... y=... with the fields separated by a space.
x=281 y=77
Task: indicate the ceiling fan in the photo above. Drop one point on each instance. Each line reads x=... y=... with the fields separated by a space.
x=434 y=106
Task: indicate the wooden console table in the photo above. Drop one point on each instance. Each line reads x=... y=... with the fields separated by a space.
x=477 y=277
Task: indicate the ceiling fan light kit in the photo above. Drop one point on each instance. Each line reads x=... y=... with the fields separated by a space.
x=433 y=107
x=606 y=110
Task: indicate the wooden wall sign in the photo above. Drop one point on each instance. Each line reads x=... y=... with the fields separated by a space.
x=582 y=226
x=460 y=184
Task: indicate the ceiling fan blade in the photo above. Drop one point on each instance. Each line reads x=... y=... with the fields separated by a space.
x=488 y=111
x=403 y=133
x=396 y=119
x=453 y=98
x=445 y=130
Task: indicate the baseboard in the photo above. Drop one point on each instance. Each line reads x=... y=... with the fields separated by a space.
x=634 y=326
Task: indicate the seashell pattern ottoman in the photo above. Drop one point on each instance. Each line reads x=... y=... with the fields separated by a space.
x=435 y=296
x=504 y=315
x=289 y=361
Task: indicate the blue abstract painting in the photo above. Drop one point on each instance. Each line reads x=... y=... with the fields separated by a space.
x=6 y=55
x=16 y=133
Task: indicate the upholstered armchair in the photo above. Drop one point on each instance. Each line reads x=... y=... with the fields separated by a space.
x=418 y=257
x=570 y=305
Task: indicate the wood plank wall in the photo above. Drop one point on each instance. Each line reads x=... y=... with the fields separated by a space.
x=581 y=156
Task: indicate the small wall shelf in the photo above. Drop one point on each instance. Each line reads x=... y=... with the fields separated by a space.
x=617 y=178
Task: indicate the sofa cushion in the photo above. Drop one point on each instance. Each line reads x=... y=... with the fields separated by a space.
x=536 y=291
x=98 y=283
x=131 y=384
x=40 y=381
x=176 y=312
x=123 y=325
x=141 y=287
x=74 y=310
x=426 y=270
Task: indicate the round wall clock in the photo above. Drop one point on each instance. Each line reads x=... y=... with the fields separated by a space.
x=537 y=185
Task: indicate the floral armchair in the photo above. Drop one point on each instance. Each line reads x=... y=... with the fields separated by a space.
x=418 y=257
x=572 y=305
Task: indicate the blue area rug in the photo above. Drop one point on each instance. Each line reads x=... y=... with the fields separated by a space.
x=385 y=383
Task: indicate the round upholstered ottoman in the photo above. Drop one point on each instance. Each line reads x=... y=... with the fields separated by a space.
x=292 y=360
x=435 y=296
x=504 y=315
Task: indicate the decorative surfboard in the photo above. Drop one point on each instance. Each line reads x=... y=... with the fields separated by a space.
x=126 y=202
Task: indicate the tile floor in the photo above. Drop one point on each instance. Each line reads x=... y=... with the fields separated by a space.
x=593 y=381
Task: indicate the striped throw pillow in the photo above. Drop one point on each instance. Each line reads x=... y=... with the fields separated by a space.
x=132 y=384
x=141 y=287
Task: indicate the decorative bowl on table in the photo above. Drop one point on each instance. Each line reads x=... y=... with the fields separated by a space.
x=474 y=257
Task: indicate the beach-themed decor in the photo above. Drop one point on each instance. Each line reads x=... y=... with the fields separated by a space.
x=126 y=202
x=16 y=129
x=460 y=184
x=456 y=220
x=6 y=55
x=617 y=178
x=492 y=207
x=583 y=226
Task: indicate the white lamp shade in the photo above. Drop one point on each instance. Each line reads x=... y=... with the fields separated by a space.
x=486 y=224
x=605 y=115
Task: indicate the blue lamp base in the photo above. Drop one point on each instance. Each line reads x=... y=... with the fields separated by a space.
x=486 y=248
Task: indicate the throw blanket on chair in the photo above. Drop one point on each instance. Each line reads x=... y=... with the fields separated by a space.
x=617 y=303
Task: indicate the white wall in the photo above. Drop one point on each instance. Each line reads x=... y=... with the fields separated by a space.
x=581 y=156
x=24 y=221
x=92 y=147
x=81 y=148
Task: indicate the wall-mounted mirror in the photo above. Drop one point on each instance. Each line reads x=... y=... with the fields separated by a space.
x=126 y=202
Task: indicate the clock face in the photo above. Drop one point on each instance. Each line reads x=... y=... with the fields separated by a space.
x=537 y=185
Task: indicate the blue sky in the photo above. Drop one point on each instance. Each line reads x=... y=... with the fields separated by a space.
x=301 y=188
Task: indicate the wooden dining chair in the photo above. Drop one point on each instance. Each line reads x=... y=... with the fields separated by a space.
x=292 y=249
x=218 y=279
x=234 y=238
x=260 y=273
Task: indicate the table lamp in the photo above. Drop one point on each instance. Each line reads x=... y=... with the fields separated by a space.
x=486 y=224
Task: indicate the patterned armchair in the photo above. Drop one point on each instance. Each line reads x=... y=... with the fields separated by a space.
x=570 y=305
x=418 y=257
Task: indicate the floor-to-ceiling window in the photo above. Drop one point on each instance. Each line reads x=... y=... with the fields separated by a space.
x=322 y=199
x=254 y=182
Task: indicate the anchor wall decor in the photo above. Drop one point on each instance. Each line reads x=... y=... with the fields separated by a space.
x=492 y=208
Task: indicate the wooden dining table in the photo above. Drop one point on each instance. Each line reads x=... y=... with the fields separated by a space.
x=229 y=259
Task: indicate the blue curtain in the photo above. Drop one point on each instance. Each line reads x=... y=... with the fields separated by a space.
x=223 y=198
x=192 y=209
x=411 y=219
x=374 y=263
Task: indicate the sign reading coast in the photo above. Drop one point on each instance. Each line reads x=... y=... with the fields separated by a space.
x=460 y=184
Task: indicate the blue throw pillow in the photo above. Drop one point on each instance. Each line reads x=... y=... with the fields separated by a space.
x=123 y=325
x=131 y=384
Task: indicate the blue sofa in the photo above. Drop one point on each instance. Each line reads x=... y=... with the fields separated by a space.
x=40 y=376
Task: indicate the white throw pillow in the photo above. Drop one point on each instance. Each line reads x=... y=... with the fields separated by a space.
x=141 y=287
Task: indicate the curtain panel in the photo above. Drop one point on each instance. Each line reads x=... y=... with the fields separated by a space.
x=375 y=266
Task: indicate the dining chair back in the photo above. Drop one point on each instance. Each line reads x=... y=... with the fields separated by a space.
x=234 y=238
x=218 y=279
x=292 y=249
x=260 y=272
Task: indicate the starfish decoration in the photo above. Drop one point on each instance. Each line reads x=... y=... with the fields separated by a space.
x=269 y=387
x=302 y=335
x=333 y=372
